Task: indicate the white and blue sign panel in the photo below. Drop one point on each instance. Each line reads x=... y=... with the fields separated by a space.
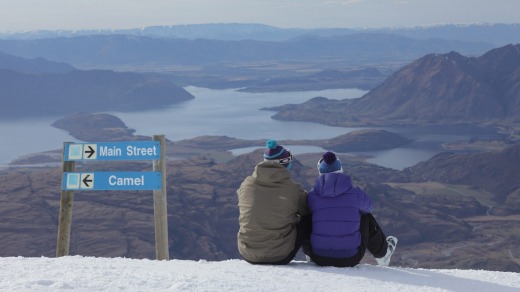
x=151 y=180
x=135 y=150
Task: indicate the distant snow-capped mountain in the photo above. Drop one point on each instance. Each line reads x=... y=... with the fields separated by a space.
x=498 y=34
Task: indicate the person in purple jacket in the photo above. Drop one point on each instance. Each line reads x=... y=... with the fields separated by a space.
x=342 y=224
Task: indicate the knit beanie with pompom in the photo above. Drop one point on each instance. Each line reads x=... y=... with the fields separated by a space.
x=329 y=163
x=278 y=153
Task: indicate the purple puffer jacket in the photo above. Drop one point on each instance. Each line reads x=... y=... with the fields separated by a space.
x=336 y=208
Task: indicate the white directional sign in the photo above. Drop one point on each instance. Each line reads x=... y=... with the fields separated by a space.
x=135 y=150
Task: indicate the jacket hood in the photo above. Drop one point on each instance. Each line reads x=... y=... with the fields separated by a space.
x=268 y=173
x=332 y=184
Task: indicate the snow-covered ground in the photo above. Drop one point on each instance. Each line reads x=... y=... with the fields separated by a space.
x=77 y=273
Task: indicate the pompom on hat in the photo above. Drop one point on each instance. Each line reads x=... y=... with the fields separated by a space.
x=329 y=164
x=277 y=153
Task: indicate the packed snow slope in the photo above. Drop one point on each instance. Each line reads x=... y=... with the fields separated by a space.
x=77 y=273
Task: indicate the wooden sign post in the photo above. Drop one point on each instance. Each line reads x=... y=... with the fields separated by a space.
x=133 y=150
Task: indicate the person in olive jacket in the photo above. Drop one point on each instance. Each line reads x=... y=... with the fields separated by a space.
x=271 y=206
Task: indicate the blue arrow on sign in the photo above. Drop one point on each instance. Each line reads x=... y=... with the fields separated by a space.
x=133 y=150
x=151 y=180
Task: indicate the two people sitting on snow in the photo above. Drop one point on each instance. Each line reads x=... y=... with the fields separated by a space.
x=275 y=215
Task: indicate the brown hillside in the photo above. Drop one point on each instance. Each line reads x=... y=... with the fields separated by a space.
x=203 y=214
x=432 y=89
x=496 y=172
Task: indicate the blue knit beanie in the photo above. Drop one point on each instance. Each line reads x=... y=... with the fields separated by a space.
x=329 y=163
x=278 y=153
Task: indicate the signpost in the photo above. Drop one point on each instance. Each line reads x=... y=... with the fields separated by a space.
x=105 y=151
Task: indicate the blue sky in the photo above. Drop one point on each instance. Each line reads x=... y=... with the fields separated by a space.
x=27 y=15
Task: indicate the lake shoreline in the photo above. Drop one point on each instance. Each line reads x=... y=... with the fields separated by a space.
x=233 y=114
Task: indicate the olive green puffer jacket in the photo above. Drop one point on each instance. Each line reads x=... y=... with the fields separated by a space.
x=270 y=205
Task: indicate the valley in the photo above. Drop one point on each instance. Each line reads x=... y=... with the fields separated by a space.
x=439 y=224
x=455 y=207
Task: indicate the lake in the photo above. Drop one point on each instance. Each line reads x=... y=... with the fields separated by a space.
x=24 y=136
x=235 y=114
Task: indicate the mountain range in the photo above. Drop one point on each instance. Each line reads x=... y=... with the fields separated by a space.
x=497 y=34
x=256 y=57
x=434 y=89
x=93 y=51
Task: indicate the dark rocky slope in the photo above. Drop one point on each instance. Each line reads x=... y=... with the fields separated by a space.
x=435 y=89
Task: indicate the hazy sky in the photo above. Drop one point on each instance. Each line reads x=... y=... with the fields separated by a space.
x=27 y=15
